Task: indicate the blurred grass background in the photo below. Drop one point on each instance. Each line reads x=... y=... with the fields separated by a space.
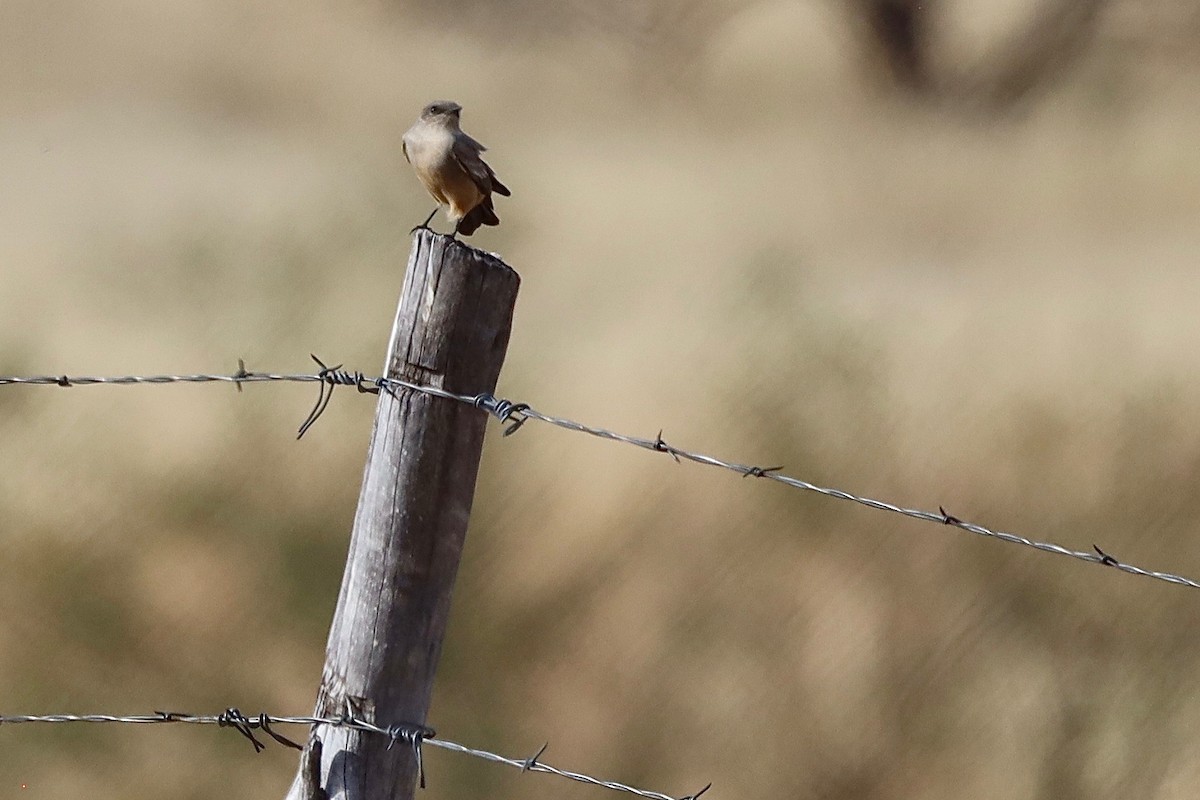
x=733 y=220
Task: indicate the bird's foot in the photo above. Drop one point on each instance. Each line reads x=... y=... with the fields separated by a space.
x=425 y=225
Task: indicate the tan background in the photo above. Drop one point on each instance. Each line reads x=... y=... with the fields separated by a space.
x=728 y=227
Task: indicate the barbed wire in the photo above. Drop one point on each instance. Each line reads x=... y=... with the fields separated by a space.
x=517 y=414
x=415 y=735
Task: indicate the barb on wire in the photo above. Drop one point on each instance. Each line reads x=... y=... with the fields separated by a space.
x=532 y=761
x=502 y=410
x=333 y=377
x=518 y=414
x=233 y=718
x=1105 y=558
x=760 y=472
x=413 y=736
x=416 y=736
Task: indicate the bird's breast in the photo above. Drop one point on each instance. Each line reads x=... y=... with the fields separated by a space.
x=431 y=152
x=427 y=148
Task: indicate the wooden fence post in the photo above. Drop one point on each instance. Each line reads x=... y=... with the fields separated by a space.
x=451 y=331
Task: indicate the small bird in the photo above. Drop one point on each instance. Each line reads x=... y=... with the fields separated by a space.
x=448 y=164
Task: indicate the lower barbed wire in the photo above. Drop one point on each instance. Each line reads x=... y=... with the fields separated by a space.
x=415 y=735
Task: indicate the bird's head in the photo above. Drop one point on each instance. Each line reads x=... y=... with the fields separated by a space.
x=442 y=112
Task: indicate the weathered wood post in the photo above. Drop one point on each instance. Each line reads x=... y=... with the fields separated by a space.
x=451 y=331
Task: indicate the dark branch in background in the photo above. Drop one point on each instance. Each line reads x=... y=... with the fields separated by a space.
x=1046 y=47
x=1039 y=51
x=898 y=32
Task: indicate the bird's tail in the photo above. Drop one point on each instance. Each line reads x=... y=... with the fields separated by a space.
x=482 y=214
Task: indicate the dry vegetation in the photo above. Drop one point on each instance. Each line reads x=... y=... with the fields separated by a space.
x=726 y=228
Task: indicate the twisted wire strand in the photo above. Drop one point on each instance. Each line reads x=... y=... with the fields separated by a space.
x=1098 y=556
x=245 y=725
x=125 y=380
x=517 y=414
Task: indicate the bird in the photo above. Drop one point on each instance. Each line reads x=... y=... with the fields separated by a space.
x=448 y=164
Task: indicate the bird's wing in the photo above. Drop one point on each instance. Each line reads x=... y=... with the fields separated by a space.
x=466 y=155
x=472 y=142
x=497 y=186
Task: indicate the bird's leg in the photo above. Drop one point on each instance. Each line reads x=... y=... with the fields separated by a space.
x=425 y=225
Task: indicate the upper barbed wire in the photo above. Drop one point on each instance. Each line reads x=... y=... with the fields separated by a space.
x=517 y=414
